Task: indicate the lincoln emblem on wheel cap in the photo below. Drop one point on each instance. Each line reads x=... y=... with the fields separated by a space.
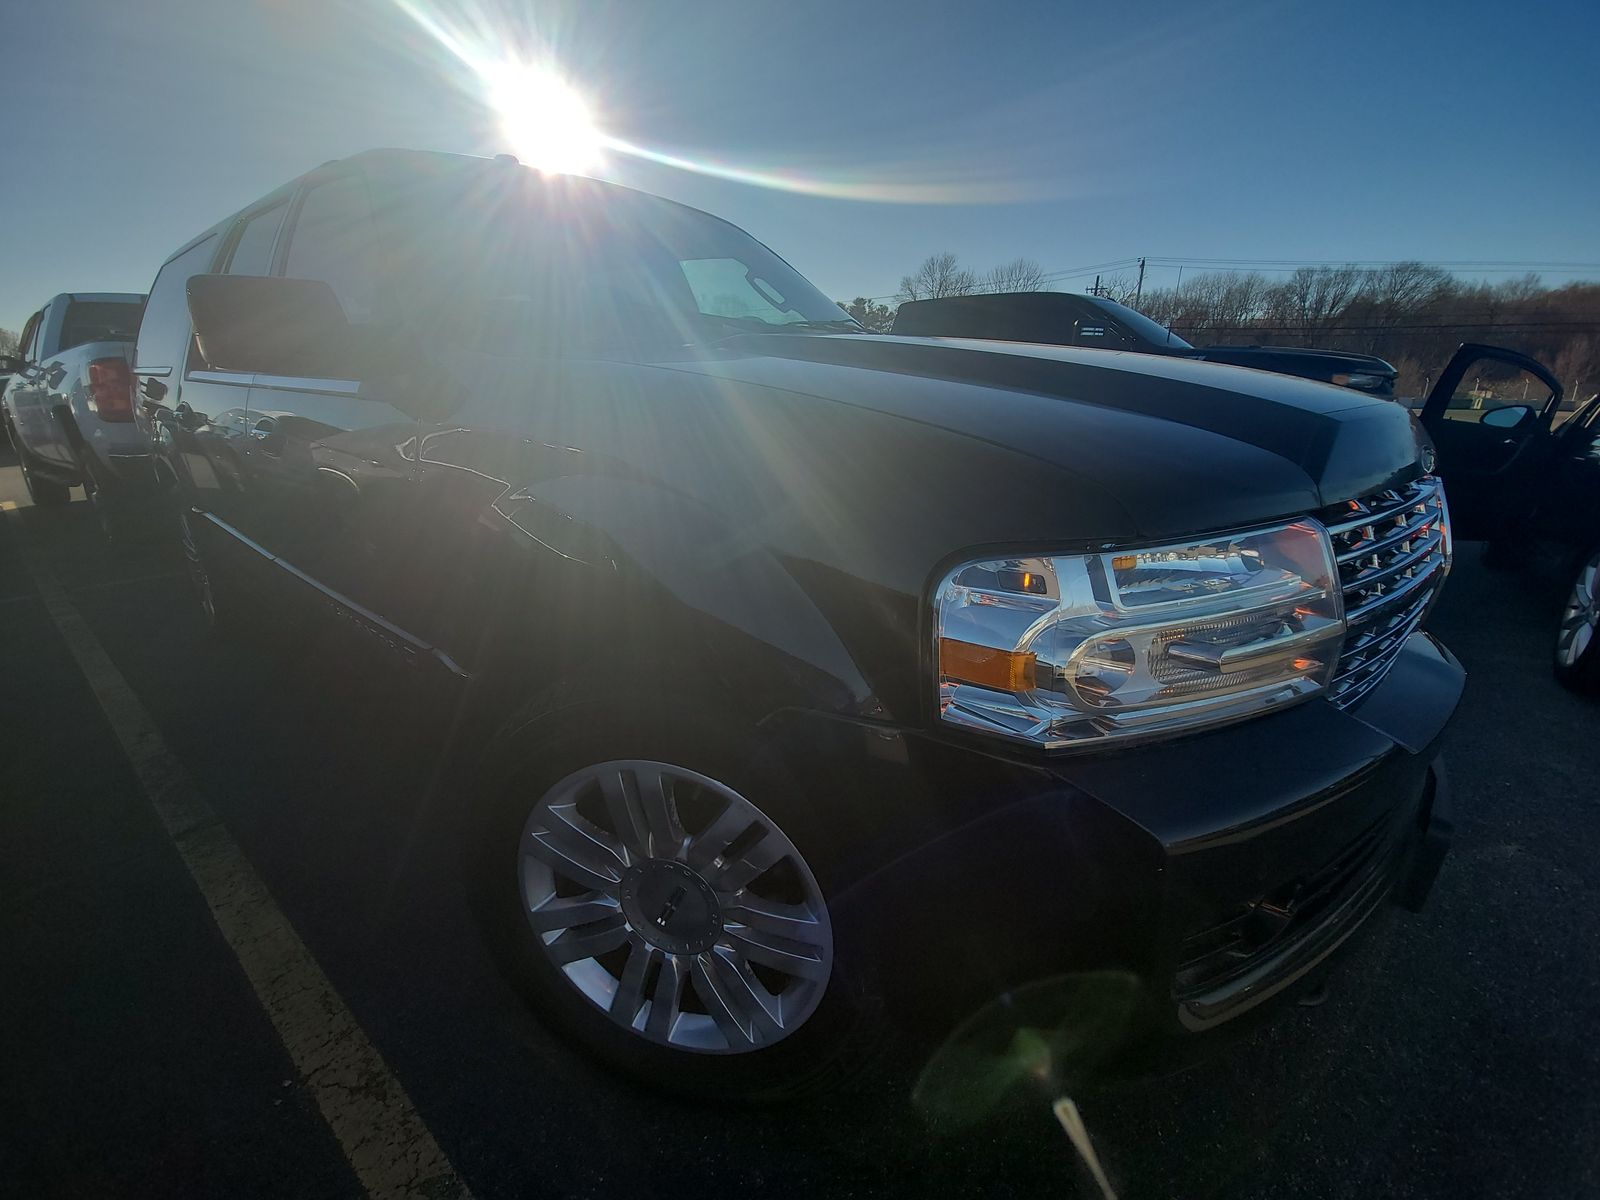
x=1427 y=460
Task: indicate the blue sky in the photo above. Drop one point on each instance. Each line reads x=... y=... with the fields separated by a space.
x=1091 y=132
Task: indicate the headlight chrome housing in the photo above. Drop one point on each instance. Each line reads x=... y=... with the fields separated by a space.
x=1077 y=651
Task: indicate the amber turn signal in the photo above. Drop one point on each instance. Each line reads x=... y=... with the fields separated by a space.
x=1004 y=670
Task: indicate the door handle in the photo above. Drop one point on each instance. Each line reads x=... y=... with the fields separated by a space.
x=267 y=435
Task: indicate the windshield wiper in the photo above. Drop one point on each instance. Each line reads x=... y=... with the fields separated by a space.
x=742 y=325
x=840 y=325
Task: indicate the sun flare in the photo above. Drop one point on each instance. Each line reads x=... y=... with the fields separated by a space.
x=545 y=122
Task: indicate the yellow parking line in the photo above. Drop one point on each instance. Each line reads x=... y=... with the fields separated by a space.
x=384 y=1139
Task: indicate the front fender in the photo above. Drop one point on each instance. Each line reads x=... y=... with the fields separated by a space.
x=653 y=576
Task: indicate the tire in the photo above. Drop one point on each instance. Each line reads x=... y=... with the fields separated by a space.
x=45 y=493
x=672 y=931
x=1577 y=648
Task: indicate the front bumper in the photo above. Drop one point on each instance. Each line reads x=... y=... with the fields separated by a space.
x=1217 y=869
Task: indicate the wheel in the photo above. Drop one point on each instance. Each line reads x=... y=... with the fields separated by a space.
x=1577 y=659
x=644 y=895
x=46 y=493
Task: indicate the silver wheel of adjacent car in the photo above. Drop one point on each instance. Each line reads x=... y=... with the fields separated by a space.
x=675 y=906
x=1581 y=617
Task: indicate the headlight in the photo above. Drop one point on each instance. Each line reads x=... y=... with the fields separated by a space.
x=1365 y=383
x=1082 y=650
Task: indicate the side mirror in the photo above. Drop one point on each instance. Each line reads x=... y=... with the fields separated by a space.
x=265 y=325
x=1512 y=416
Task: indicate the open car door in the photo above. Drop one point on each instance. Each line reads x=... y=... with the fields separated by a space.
x=1490 y=416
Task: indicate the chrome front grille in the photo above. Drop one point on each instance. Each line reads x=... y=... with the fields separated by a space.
x=1393 y=549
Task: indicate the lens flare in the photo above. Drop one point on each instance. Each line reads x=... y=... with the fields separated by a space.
x=544 y=120
x=510 y=68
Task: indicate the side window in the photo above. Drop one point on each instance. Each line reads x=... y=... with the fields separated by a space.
x=1492 y=384
x=25 y=346
x=333 y=239
x=41 y=335
x=252 y=249
x=164 y=331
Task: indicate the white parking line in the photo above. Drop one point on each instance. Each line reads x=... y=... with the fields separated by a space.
x=384 y=1139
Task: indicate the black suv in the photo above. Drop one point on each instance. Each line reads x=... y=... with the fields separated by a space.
x=1068 y=319
x=832 y=673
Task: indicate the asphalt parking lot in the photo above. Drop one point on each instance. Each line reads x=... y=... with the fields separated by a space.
x=1456 y=1054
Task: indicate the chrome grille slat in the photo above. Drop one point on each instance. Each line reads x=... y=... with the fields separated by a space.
x=1400 y=564
x=1390 y=548
x=1367 y=607
x=1394 y=501
x=1414 y=524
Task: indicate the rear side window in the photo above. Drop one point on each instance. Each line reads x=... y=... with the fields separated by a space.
x=25 y=346
x=334 y=240
x=252 y=250
x=99 y=321
x=164 y=332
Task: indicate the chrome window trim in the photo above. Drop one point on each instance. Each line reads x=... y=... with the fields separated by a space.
x=296 y=383
x=231 y=378
x=154 y=372
x=365 y=615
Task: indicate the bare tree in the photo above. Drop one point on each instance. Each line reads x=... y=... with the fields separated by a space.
x=1578 y=367
x=1216 y=305
x=1313 y=298
x=8 y=341
x=939 y=275
x=1018 y=275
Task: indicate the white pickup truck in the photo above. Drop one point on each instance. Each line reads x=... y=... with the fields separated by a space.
x=69 y=407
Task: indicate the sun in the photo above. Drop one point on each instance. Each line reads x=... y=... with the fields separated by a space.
x=544 y=120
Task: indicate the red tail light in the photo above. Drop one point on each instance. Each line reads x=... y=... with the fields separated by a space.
x=111 y=389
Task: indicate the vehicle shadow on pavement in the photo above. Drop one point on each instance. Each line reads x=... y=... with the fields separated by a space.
x=1449 y=1038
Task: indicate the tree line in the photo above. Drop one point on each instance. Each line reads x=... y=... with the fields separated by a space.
x=1410 y=313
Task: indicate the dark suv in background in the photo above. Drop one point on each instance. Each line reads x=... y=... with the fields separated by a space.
x=827 y=672
x=1069 y=319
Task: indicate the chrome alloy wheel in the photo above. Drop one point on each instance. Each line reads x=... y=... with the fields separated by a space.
x=1581 y=617
x=675 y=906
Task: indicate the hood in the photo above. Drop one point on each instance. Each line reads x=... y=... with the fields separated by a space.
x=1182 y=445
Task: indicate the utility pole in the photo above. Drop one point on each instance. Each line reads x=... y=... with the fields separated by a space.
x=1138 y=291
x=1095 y=290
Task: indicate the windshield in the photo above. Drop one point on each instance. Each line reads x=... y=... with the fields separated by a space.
x=1139 y=325
x=530 y=268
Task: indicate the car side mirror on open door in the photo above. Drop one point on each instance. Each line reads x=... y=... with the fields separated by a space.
x=1511 y=416
x=272 y=326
